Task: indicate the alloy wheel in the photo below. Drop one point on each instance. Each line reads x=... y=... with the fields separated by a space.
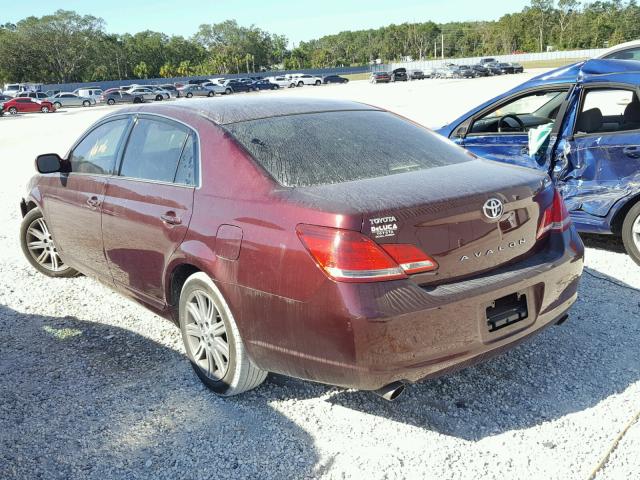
x=42 y=248
x=207 y=335
x=635 y=231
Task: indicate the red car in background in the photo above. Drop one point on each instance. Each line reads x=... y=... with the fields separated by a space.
x=28 y=105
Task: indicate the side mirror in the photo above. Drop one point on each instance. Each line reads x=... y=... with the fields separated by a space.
x=48 y=163
x=461 y=132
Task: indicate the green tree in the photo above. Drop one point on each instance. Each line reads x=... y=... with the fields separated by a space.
x=141 y=70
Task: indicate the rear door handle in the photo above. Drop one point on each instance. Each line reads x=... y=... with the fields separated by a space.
x=632 y=152
x=170 y=218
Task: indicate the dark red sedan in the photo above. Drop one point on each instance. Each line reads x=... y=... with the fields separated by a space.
x=28 y=105
x=326 y=240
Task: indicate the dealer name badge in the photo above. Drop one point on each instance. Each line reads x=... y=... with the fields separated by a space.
x=383 y=226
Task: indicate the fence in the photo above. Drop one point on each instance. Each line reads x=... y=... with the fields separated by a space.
x=69 y=87
x=428 y=65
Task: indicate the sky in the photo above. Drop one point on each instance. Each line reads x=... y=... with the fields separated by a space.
x=297 y=19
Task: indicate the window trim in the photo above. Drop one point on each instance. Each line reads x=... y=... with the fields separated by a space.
x=468 y=124
x=601 y=86
x=130 y=116
x=166 y=119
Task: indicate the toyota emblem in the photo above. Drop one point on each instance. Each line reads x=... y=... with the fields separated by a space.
x=493 y=209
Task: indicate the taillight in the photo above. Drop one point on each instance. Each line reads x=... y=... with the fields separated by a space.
x=556 y=217
x=349 y=256
x=410 y=258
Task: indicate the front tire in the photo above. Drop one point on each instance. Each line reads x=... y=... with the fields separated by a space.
x=210 y=94
x=58 y=105
x=212 y=340
x=631 y=233
x=301 y=84
x=86 y=103
x=189 y=95
x=228 y=91
x=13 y=110
x=158 y=98
x=111 y=101
x=39 y=248
x=318 y=82
x=44 y=109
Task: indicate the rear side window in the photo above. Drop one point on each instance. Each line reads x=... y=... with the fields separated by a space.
x=335 y=147
x=97 y=152
x=629 y=54
x=154 y=152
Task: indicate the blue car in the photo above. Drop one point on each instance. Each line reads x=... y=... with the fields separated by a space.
x=581 y=124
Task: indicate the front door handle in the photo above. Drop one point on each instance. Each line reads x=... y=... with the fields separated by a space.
x=170 y=218
x=93 y=202
x=632 y=152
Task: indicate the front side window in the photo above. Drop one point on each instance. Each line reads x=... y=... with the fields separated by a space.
x=522 y=114
x=154 y=150
x=334 y=147
x=96 y=153
x=608 y=110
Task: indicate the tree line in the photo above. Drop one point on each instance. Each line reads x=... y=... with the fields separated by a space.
x=67 y=46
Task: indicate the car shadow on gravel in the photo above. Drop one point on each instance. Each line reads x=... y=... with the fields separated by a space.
x=87 y=400
x=610 y=243
x=565 y=369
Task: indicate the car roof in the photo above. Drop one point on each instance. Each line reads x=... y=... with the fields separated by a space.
x=595 y=70
x=235 y=109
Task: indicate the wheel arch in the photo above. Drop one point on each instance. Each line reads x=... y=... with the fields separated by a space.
x=620 y=210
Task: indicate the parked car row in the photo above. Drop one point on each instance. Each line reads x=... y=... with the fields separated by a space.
x=485 y=68
x=50 y=101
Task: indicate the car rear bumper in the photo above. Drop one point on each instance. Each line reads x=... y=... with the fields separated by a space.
x=378 y=333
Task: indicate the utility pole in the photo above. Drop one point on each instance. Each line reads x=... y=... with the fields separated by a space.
x=442 y=46
x=435 y=49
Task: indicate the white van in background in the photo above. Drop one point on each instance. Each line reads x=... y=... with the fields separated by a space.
x=89 y=92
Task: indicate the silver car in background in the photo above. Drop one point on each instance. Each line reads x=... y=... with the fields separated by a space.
x=215 y=88
x=146 y=93
x=195 y=91
x=69 y=99
x=120 y=96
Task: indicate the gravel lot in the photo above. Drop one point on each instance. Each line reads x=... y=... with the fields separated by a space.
x=94 y=386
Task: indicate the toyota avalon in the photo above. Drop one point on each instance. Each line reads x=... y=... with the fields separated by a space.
x=327 y=240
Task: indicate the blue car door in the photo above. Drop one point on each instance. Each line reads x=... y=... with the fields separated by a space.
x=501 y=131
x=600 y=161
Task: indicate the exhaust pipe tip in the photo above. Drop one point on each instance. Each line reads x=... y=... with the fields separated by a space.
x=390 y=392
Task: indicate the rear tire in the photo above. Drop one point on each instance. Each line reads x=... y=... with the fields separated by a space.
x=13 y=111
x=58 y=105
x=228 y=91
x=276 y=87
x=86 y=103
x=158 y=98
x=135 y=100
x=318 y=82
x=210 y=94
x=212 y=340
x=44 y=109
x=301 y=83
x=39 y=248
x=631 y=233
x=111 y=101
x=189 y=95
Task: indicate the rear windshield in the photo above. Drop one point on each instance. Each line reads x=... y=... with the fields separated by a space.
x=334 y=147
